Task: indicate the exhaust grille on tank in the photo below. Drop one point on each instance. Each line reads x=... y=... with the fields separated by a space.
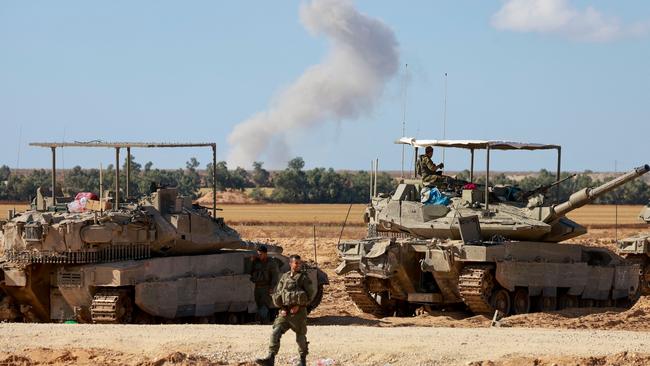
x=70 y=279
x=110 y=253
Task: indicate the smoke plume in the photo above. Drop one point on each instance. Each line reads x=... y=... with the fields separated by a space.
x=363 y=56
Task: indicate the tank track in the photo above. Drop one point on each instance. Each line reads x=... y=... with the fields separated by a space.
x=108 y=306
x=356 y=288
x=475 y=285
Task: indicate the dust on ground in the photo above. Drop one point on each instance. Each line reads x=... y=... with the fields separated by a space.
x=196 y=344
x=618 y=359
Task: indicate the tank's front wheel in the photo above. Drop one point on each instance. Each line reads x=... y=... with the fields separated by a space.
x=521 y=301
x=500 y=300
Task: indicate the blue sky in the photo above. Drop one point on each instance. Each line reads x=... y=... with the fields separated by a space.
x=191 y=71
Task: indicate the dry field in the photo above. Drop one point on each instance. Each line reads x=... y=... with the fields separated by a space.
x=596 y=215
x=6 y=206
x=334 y=214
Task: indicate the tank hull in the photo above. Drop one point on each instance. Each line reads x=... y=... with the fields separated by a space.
x=412 y=273
x=200 y=287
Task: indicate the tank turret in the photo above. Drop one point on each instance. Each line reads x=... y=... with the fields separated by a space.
x=503 y=211
x=162 y=224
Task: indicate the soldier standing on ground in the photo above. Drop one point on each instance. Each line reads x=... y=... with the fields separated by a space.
x=427 y=168
x=264 y=274
x=292 y=295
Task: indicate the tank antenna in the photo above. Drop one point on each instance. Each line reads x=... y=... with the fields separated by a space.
x=63 y=162
x=616 y=206
x=342 y=227
x=372 y=172
x=20 y=137
x=374 y=189
x=444 y=121
x=404 y=93
x=315 y=253
x=101 y=188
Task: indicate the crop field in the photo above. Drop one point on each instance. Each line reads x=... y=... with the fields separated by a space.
x=334 y=214
x=6 y=206
x=597 y=215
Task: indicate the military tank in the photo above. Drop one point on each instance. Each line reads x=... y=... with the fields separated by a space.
x=487 y=249
x=636 y=249
x=504 y=211
x=161 y=258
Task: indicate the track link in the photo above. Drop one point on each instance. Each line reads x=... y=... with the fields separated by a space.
x=475 y=285
x=356 y=288
x=110 y=306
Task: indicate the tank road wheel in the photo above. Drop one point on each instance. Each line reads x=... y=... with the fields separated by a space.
x=586 y=303
x=232 y=318
x=567 y=301
x=548 y=303
x=500 y=300
x=521 y=301
x=112 y=306
x=607 y=303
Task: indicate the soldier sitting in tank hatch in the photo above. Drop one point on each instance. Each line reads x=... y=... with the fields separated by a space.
x=429 y=171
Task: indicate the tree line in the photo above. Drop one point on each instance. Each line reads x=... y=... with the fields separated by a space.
x=294 y=184
x=291 y=185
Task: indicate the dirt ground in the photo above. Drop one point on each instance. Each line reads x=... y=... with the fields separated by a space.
x=59 y=344
x=338 y=330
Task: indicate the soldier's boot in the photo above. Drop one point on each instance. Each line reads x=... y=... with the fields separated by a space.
x=303 y=360
x=266 y=361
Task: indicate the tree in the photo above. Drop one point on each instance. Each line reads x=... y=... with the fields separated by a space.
x=188 y=181
x=258 y=194
x=239 y=179
x=260 y=175
x=4 y=173
x=291 y=184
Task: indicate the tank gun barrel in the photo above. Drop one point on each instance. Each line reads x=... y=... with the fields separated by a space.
x=586 y=195
x=251 y=245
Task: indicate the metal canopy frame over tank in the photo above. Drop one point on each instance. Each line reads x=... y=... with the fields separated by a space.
x=128 y=145
x=486 y=145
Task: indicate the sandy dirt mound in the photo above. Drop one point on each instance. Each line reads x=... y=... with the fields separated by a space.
x=635 y=318
x=96 y=356
x=619 y=359
x=227 y=196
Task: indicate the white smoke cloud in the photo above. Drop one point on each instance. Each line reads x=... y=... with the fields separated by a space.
x=363 y=56
x=560 y=18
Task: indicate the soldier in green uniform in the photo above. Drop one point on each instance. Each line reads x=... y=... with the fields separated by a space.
x=428 y=169
x=264 y=274
x=292 y=295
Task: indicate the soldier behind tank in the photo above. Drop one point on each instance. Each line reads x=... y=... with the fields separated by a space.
x=427 y=168
x=292 y=295
x=264 y=274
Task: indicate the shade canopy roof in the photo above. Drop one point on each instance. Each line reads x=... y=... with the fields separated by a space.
x=476 y=144
x=99 y=143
